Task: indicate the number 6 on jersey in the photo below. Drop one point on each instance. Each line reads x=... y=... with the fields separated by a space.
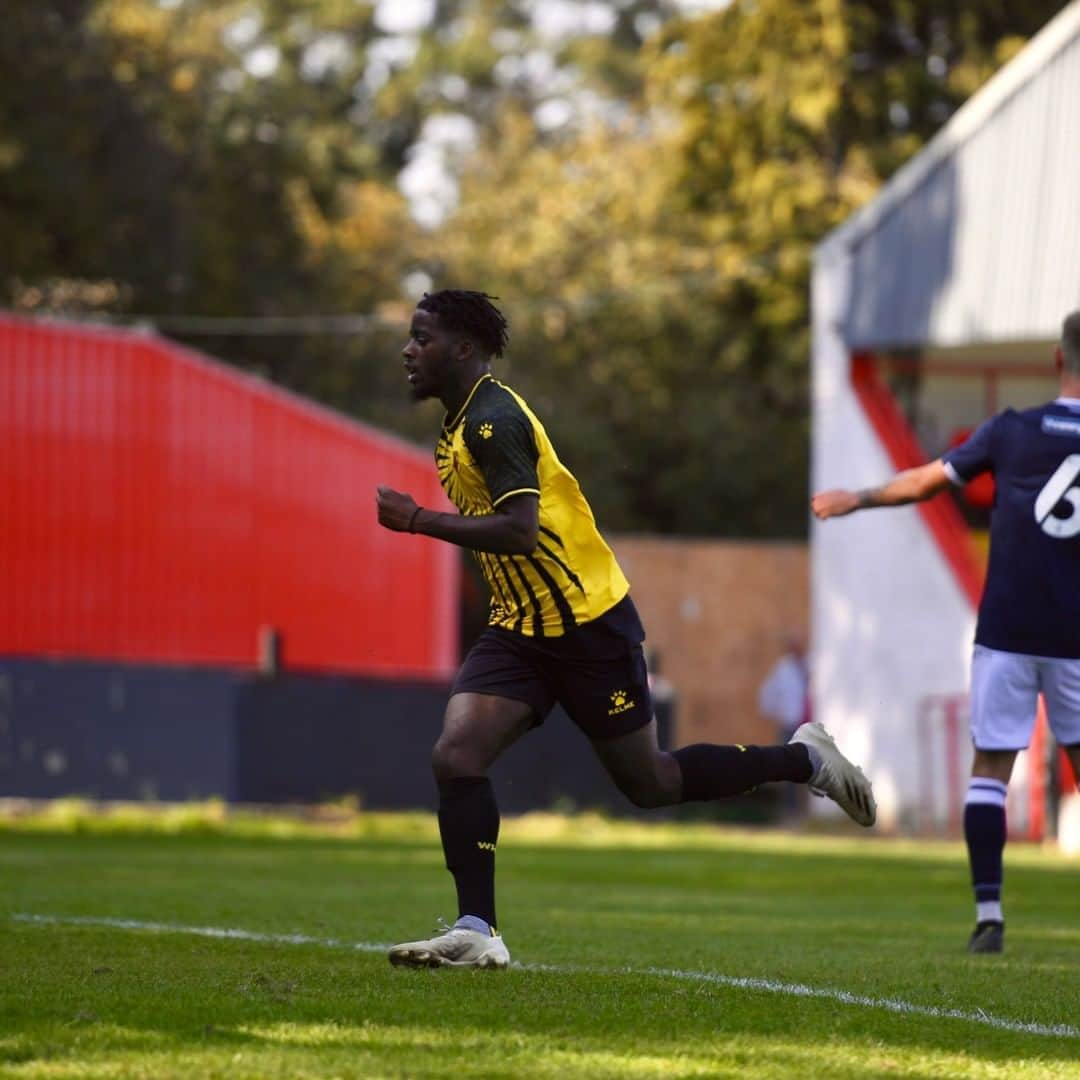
x=1060 y=486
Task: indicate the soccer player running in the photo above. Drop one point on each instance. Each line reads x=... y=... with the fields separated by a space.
x=562 y=628
x=1027 y=638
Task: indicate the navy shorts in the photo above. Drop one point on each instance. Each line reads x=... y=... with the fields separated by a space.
x=595 y=671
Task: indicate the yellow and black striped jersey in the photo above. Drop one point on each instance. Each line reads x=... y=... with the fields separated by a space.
x=495 y=448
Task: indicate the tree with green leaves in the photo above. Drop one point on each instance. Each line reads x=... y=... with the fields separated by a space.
x=643 y=190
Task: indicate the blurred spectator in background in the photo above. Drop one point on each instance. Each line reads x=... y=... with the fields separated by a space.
x=784 y=698
x=662 y=692
x=784 y=695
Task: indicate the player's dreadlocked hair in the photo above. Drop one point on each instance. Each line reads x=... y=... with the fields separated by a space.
x=471 y=314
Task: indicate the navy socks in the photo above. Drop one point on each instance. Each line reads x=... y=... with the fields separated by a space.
x=984 y=830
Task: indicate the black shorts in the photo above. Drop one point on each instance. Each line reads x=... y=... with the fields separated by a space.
x=596 y=672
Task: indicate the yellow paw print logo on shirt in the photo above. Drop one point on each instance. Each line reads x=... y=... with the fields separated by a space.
x=486 y=431
x=620 y=702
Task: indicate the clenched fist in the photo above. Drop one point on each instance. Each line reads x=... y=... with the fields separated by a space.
x=396 y=509
x=836 y=503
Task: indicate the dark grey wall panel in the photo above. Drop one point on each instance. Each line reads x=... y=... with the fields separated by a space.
x=109 y=731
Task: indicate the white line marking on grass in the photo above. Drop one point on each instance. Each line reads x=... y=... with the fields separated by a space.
x=199 y=931
x=895 y=1005
x=771 y=986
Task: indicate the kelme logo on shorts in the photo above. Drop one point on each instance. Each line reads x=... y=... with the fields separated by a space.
x=621 y=702
x=486 y=431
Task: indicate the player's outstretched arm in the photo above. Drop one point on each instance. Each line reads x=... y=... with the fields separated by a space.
x=513 y=529
x=911 y=485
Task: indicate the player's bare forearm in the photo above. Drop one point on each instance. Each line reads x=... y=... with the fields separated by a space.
x=499 y=533
x=510 y=531
x=911 y=485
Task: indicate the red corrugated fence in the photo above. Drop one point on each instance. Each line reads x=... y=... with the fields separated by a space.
x=157 y=506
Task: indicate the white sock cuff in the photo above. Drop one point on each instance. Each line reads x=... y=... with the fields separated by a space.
x=985 y=792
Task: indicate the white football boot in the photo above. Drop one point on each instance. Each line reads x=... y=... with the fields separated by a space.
x=836 y=777
x=453 y=946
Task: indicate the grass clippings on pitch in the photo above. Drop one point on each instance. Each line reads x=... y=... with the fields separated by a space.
x=631 y=938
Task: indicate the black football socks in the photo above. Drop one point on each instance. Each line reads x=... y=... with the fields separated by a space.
x=716 y=772
x=469 y=827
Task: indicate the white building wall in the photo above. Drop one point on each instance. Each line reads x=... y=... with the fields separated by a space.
x=890 y=624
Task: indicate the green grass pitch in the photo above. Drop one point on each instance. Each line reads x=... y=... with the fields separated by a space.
x=640 y=951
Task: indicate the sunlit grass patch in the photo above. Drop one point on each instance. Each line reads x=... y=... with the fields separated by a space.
x=347 y=821
x=637 y=945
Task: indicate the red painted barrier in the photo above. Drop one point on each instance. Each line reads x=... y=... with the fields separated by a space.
x=942 y=518
x=159 y=506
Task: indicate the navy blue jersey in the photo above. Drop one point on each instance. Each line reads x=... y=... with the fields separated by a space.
x=1031 y=603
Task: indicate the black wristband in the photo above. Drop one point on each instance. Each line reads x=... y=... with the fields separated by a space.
x=412 y=520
